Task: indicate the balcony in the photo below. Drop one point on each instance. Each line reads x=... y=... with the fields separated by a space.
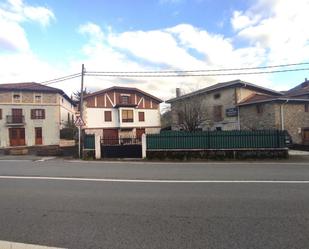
x=12 y=120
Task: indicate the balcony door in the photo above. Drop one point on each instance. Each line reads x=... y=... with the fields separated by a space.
x=17 y=136
x=17 y=116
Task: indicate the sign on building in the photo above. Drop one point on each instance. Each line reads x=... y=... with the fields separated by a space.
x=231 y=112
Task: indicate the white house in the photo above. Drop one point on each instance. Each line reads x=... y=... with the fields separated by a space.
x=32 y=114
x=121 y=112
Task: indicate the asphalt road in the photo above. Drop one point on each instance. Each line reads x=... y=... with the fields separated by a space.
x=91 y=214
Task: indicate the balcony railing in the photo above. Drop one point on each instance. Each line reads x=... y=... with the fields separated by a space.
x=127 y=120
x=15 y=120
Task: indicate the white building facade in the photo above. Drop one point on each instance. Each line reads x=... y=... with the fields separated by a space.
x=121 y=112
x=32 y=114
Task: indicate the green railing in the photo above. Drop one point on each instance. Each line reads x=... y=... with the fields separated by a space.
x=169 y=140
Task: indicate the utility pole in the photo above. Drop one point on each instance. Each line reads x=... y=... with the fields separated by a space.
x=81 y=103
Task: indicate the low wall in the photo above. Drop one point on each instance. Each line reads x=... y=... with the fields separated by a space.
x=281 y=153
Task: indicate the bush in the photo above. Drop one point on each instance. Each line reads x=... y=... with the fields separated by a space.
x=68 y=133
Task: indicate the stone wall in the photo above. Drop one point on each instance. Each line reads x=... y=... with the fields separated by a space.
x=228 y=99
x=295 y=120
x=250 y=119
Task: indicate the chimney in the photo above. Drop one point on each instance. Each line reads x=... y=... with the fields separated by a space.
x=306 y=80
x=178 y=92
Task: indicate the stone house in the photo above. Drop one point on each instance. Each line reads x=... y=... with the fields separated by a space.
x=219 y=104
x=289 y=112
x=31 y=115
x=121 y=112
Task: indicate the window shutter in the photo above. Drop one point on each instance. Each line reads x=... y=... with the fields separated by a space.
x=32 y=113
x=43 y=113
x=0 y=113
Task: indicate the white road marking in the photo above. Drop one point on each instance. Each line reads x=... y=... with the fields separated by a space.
x=45 y=159
x=13 y=245
x=186 y=163
x=149 y=180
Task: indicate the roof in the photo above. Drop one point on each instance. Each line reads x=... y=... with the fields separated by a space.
x=262 y=98
x=33 y=87
x=300 y=89
x=123 y=89
x=227 y=84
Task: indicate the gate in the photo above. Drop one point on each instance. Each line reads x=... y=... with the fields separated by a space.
x=124 y=147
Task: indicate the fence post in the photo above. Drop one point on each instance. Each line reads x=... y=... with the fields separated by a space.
x=97 y=143
x=144 y=145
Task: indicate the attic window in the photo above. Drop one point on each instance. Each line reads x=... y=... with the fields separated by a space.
x=38 y=98
x=217 y=96
x=125 y=99
x=16 y=97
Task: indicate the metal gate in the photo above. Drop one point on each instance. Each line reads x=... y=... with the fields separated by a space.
x=126 y=147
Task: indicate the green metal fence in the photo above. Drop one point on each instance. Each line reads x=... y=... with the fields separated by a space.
x=89 y=142
x=217 y=140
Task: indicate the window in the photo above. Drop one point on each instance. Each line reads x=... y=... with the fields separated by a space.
x=16 y=97
x=37 y=114
x=217 y=96
x=124 y=99
x=127 y=116
x=218 y=128
x=141 y=116
x=38 y=98
x=306 y=107
x=217 y=111
x=0 y=114
x=259 y=109
x=107 y=116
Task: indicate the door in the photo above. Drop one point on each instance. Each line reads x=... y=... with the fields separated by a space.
x=306 y=136
x=110 y=136
x=38 y=135
x=139 y=133
x=17 y=115
x=17 y=136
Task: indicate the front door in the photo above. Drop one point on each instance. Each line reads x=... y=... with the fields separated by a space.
x=139 y=133
x=38 y=135
x=17 y=136
x=306 y=136
x=110 y=136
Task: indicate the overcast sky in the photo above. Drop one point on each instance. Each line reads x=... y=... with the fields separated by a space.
x=46 y=39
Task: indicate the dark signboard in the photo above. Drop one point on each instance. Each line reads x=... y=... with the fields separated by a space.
x=231 y=112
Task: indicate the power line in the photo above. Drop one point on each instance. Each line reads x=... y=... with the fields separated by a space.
x=197 y=71
x=192 y=75
x=61 y=78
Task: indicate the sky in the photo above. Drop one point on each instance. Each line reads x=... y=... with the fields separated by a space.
x=46 y=39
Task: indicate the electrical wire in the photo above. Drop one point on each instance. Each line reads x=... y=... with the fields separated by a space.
x=192 y=75
x=201 y=70
x=61 y=78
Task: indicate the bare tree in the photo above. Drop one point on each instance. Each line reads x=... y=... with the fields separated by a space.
x=191 y=114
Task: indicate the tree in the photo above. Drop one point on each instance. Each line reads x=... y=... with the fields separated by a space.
x=76 y=96
x=166 y=118
x=191 y=114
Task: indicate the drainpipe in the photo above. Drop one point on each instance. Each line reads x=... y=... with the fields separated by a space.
x=282 y=114
x=238 y=117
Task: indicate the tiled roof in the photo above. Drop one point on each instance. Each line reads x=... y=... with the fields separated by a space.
x=300 y=89
x=124 y=89
x=35 y=87
x=262 y=98
x=222 y=85
x=28 y=86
